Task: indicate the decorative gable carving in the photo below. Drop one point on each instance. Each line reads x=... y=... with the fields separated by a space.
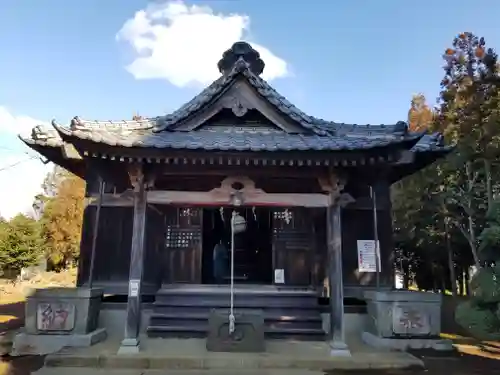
x=239 y=107
x=240 y=98
x=227 y=121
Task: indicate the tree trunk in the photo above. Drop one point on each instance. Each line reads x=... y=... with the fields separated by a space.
x=406 y=271
x=489 y=188
x=406 y=282
x=470 y=220
x=466 y=284
x=435 y=286
x=442 y=277
x=451 y=263
x=461 y=290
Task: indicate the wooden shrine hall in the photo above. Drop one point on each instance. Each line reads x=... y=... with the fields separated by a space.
x=162 y=191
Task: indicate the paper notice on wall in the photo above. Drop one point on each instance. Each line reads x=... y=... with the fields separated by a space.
x=279 y=276
x=133 y=288
x=367 y=256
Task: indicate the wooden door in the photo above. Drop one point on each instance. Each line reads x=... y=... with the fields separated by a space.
x=292 y=245
x=183 y=245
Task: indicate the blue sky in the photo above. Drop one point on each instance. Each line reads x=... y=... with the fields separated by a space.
x=355 y=61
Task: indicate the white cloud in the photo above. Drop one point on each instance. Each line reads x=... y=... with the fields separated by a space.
x=21 y=176
x=182 y=43
x=16 y=125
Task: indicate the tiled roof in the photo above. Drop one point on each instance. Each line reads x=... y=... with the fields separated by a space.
x=218 y=87
x=318 y=126
x=431 y=142
x=234 y=139
x=239 y=61
x=43 y=136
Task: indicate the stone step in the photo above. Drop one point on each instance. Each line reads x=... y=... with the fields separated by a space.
x=271 y=321
x=199 y=331
x=238 y=290
x=191 y=354
x=269 y=312
x=271 y=318
x=91 y=371
x=239 y=301
x=288 y=312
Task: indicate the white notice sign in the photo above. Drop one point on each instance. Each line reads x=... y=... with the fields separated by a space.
x=367 y=256
x=279 y=276
x=133 y=288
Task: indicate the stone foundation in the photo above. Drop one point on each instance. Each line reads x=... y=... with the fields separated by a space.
x=27 y=344
x=5 y=342
x=403 y=319
x=60 y=317
x=406 y=344
x=63 y=311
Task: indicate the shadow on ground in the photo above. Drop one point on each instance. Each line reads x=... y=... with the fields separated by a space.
x=20 y=365
x=11 y=316
x=477 y=362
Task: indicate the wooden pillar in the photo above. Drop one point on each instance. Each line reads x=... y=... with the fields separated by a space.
x=130 y=343
x=338 y=346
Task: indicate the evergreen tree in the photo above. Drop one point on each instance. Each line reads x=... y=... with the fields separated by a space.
x=21 y=244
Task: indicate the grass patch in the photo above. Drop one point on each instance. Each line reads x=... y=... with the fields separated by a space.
x=12 y=292
x=7 y=318
x=4 y=367
x=451 y=336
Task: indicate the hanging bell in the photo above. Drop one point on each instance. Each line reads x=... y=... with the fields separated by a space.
x=239 y=224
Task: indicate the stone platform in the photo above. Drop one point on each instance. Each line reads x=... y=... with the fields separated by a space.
x=406 y=344
x=26 y=344
x=6 y=342
x=191 y=354
x=86 y=371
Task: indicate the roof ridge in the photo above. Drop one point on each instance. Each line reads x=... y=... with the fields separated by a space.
x=281 y=103
x=398 y=127
x=218 y=86
x=206 y=95
x=143 y=123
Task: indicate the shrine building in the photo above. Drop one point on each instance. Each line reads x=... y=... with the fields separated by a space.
x=161 y=192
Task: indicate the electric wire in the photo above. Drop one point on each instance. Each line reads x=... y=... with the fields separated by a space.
x=17 y=163
x=31 y=156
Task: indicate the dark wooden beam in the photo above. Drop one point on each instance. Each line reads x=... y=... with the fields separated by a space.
x=208 y=199
x=130 y=343
x=251 y=170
